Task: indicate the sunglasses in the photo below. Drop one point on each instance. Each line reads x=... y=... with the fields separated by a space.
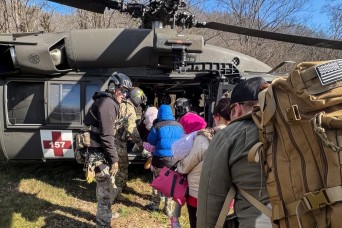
x=124 y=91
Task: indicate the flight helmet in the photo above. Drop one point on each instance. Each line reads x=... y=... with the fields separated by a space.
x=137 y=96
x=119 y=80
x=164 y=98
x=182 y=106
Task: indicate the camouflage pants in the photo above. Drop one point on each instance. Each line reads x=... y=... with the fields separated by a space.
x=122 y=176
x=104 y=197
x=157 y=196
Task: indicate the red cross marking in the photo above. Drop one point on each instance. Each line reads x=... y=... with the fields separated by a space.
x=57 y=144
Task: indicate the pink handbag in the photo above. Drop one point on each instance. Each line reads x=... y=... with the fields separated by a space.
x=171 y=184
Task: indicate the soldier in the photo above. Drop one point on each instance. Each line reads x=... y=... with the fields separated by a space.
x=182 y=106
x=100 y=121
x=128 y=132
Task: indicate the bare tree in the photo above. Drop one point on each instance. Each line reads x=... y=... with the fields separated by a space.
x=110 y=19
x=45 y=21
x=334 y=10
x=21 y=15
x=271 y=15
x=5 y=18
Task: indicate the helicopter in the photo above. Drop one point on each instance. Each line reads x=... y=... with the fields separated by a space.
x=48 y=79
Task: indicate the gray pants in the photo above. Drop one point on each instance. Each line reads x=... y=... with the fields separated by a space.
x=177 y=210
x=157 y=196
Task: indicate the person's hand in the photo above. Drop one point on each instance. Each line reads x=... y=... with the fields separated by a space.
x=114 y=168
x=146 y=154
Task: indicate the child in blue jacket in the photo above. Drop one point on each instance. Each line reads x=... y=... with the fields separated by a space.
x=162 y=135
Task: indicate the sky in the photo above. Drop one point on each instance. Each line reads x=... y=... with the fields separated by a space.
x=316 y=15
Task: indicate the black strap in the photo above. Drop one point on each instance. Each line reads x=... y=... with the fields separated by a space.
x=174 y=180
x=174 y=167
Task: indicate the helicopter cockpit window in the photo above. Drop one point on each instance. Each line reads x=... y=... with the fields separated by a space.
x=64 y=103
x=25 y=102
x=90 y=89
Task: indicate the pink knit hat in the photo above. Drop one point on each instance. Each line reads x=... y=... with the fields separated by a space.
x=192 y=122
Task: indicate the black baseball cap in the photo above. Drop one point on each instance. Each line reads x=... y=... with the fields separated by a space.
x=247 y=90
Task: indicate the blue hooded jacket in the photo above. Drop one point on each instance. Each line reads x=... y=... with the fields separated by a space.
x=165 y=132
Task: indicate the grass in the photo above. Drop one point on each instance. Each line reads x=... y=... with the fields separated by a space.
x=55 y=194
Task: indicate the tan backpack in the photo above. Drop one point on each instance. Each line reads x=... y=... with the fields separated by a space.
x=300 y=122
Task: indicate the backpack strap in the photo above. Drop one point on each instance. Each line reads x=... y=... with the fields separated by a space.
x=262 y=114
x=256 y=203
x=316 y=200
x=267 y=110
x=229 y=198
x=225 y=208
x=254 y=153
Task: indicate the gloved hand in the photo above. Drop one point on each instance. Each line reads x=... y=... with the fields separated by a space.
x=90 y=173
x=146 y=154
x=114 y=168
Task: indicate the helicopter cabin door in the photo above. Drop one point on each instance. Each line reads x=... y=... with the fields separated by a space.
x=42 y=116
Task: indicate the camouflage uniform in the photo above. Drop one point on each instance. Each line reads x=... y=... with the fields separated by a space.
x=128 y=131
x=104 y=197
x=101 y=120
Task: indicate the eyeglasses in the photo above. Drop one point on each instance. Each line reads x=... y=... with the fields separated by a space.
x=231 y=106
x=225 y=107
x=234 y=104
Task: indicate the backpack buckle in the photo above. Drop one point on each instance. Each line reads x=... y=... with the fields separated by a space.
x=315 y=200
x=293 y=113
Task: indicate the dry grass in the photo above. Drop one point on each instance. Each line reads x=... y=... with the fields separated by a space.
x=55 y=194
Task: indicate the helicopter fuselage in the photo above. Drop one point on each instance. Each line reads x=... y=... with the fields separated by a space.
x=47 y=80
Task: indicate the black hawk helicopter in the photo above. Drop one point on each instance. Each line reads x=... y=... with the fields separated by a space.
x=48 y=79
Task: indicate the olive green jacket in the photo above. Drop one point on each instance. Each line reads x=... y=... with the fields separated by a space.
x=225 y=163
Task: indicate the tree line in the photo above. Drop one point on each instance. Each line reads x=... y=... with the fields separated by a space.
x=272 y=15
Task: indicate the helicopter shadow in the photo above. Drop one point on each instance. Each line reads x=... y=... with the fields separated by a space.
x=18 y=202
x=135 y=172
x=66 y=176
x=132 y=191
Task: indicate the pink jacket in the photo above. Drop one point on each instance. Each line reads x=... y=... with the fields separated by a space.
x=192 y=122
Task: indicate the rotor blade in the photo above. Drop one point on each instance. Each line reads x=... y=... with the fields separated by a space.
x=96 y=6
x=310 y=41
